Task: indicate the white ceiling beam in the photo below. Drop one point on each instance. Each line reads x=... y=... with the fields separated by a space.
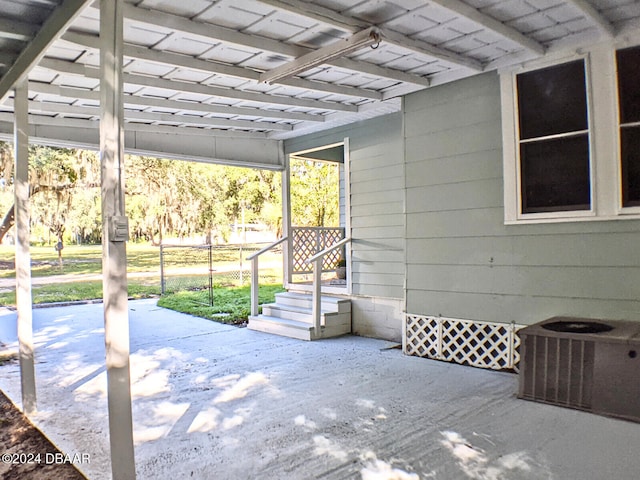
x=135 y=115
x=186 y=130
x=235 y=94
x=220 y=109
x=227 y=35
x=243 y=149
x=52 y=28
x=17 y=30
x=50 y=3
x=192 y=63
x=596 y=17
x=71 y=68
x=36 y=120
x=180 y=105
x=6 y=60
x=352 y=25
x=424 y=48
x=510 y=33
x=69 y=92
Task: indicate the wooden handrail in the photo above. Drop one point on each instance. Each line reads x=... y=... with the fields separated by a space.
x=267 y=248
x=316 y=304
x=254 y=273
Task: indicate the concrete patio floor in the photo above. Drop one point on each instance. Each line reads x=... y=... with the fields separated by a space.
x=219 y=402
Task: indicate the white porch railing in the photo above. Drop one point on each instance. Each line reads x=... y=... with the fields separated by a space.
x=255 y=269
x=317 y=261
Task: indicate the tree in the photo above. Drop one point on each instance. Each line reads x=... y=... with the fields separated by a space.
x=53 y=172
x=162 y=197
x=315 y=193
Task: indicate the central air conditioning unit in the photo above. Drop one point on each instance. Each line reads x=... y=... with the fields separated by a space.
x=587 y=364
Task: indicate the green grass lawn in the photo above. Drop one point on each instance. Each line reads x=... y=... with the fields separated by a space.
x=76 y=291
x=79 y=259
x=231 y=304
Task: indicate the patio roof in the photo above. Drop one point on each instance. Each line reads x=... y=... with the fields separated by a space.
x=228 y=402
x=192 y=67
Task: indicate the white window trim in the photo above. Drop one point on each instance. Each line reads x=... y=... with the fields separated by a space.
x=604 y=134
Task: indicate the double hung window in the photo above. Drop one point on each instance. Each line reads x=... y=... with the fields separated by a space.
x=628 y=63
x=571 y=132
x=554 y=139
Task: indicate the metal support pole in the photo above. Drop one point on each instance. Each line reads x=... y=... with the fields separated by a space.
x=114 y=236
x=23 y=256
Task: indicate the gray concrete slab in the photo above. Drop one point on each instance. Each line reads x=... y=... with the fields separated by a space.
x=219 y=402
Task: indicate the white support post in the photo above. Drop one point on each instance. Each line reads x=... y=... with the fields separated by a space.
x=317 y=296
x=287 y=249
x=114 y=236
x=254 y=286
x=23 y=256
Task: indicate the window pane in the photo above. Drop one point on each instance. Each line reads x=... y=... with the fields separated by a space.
x=629 y=84
x=630 y=140
x=555 y=175
x=552 y=100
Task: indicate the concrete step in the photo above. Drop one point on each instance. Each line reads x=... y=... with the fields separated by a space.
x=291 y=316
x=281 y=326
x=290 y=312
x=304 y=300
x=294 y=329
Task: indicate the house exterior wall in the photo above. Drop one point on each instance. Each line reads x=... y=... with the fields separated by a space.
x=463 y=262
x=377 y=220
x=427 y=219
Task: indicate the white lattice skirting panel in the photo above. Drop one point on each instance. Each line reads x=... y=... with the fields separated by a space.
x=468 y=342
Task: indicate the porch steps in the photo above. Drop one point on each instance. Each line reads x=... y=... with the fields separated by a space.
x=291 y=316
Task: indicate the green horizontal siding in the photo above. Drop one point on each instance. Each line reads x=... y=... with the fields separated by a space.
x=522 y=309
x=462 y=261
x=377 y=202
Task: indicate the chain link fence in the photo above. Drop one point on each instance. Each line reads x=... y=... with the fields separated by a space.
x=204 y=267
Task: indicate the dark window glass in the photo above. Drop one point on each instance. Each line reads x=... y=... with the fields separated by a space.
x=552 y=100
x=629 y=84
x=630 y=143
x=629 y=99
x=555 y=175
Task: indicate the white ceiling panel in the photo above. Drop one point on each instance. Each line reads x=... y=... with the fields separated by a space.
x=90 y=58
x=89 y=22
x=148 y=69
x=144 y=35
x=229 y=54
x=214 y=51
x=189 y=76
x=280 y=26
x=235 y=14
x=225 y=82
x=186 y=46
x=622 y=11
x=412 y=24
x=431 y=69
x=77 y=82
x=181 y=7
x=64 y=52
